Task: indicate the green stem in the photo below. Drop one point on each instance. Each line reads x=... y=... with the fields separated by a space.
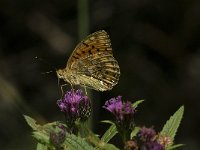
x=83 y=19
x=124 y=133
x=83 y=31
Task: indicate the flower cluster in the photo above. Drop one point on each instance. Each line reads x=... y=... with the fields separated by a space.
x=147 y=134
x=123 y=111
x=75 y=106
x=149 y=139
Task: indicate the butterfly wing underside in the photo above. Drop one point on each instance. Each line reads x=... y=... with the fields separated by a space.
x=99 y=71
x=92 y=63
x=96 y=42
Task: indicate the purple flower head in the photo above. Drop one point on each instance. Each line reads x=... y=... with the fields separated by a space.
x=152 y=146
x=148 y=137
x=147 y=134
x=72 y=105
x=123 y=111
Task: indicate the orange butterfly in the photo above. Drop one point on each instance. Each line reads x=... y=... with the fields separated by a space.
x=92 y=64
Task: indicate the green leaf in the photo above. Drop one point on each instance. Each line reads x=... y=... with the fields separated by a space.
x=41 y=147
x=76 y=143
x=85 y=132
x=109 y=134
x=171 y=126
x=109 y=147
x=134 y=132
x=175 y=146
x=41 y=137
x=107 y=121
x=49 y=127
x=135 y=104
x=31 y=122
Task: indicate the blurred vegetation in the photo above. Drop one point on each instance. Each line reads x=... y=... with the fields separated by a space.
x=156 y=43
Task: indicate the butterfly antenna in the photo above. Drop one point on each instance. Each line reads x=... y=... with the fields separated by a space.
x=47 y=72
x=46 y=62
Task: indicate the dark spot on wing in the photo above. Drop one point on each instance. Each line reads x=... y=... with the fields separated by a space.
x=75 y=57
x=90 y=52
x=85 y=44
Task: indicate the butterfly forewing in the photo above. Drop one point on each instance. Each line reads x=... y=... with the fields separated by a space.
x=92 y=64
x=94 y=43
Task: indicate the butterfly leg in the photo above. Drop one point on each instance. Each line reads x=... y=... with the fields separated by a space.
x=61 y=88
x=72 y=87
x=85 y=90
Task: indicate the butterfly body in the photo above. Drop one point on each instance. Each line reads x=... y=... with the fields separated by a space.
x=92 y=64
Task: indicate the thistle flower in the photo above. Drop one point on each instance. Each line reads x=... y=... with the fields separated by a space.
x=147 y=134
x=75 y=106
x=149 y=140
x=152 y=146
x=123 y=113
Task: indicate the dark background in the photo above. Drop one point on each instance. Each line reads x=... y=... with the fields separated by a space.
x=156 y=42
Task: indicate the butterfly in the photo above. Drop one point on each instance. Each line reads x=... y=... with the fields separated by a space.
x=92 y=64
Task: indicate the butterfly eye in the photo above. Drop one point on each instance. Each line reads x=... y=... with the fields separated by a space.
x=59 y=73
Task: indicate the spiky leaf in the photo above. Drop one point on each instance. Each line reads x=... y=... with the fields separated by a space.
x=41 y=147
x=41 y=137
x=109 y=147
x=134 y=132
x=135 y=104
x=108 y=122
x=110 y=133
x=76 y=143
x=171 y=126
x=173 y=147
x=31 y=122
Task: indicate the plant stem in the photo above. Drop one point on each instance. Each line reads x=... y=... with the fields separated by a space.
x=83 y=19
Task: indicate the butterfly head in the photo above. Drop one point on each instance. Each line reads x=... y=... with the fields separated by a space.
x=66 y=75
x=60 y=73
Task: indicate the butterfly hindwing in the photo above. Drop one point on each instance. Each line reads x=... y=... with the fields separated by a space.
x=100 y=71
